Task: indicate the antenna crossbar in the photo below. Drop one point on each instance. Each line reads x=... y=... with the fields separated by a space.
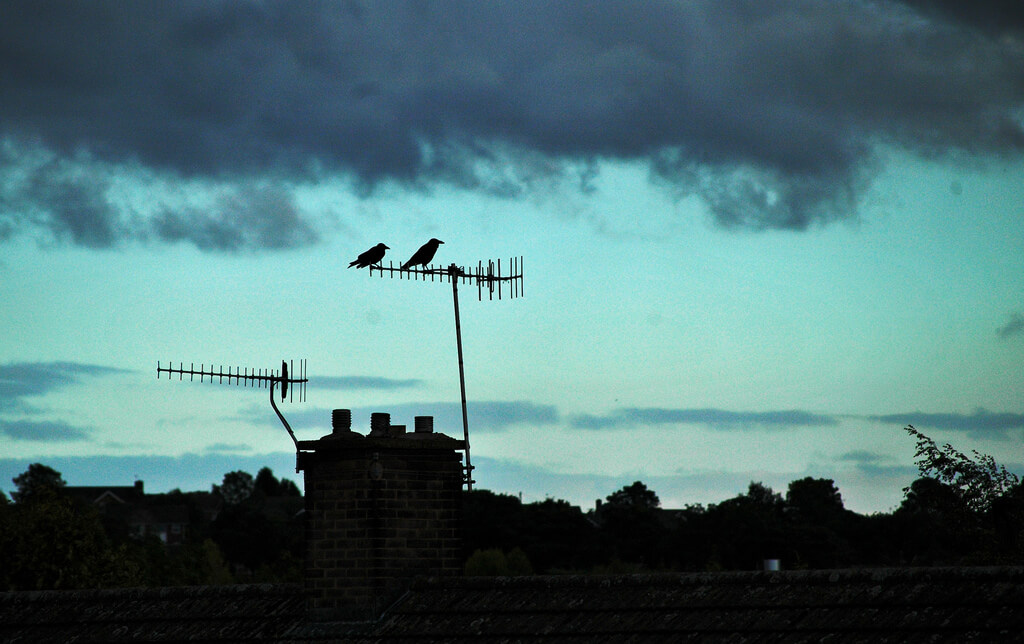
x=489 y=276
x=259 y=378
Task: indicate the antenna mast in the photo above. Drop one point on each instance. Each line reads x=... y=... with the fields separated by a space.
x=487 y=277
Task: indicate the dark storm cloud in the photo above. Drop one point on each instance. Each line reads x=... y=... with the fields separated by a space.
x=767 y=111
x=981 y=423
x=71 y=198
x=717 y=418
x=991 y=16
x=1013 y=327
x=247 y=218
x=20 y=380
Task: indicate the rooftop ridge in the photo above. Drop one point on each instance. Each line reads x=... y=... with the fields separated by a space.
x=822 y=576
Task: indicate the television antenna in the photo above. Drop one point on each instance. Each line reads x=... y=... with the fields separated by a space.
x=487 y=277
x=286 y=377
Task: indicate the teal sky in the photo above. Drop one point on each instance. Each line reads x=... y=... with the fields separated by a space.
x=724 y=281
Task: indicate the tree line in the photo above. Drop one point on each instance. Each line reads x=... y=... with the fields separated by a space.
x=247 y=529
x=963 y=509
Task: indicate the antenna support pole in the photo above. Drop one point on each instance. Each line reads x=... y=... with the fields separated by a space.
x=273 y=383
x=454 y=272
x=257 y=378
x=486 y=276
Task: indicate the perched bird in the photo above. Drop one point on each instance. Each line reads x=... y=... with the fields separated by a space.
x=371 y=256
x=424 y=254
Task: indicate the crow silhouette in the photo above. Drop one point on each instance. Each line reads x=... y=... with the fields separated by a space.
x=424 y=254
x=371 y=256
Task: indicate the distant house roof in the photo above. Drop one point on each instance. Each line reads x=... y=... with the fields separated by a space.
x=904 y=605
x=101 y=495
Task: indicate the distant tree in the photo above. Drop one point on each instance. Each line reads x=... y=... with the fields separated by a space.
x=747 y=529
x=236 y=488
x=288 y=488
x=934 y=524
x=816 y=500
x=256 y=531
x=37 y=481
x=760 y=494
x=492 y=521
x=553 y=534
x=636 y=496
x=633 y=526
x=931 y=496
x=558 y=536
x=493 y=562
x=50 y=542
x=977 y=480
x=267 y=485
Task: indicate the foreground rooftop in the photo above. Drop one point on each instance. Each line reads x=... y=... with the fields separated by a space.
x=874 y=605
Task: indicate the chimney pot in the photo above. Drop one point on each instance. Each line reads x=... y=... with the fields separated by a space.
x=379 y=423
x=424 y=424
x=341 y=420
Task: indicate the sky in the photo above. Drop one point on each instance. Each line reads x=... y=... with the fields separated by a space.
x=758 y=239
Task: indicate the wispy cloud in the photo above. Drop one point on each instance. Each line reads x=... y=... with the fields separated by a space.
x=44 y=431
x=1013 y=327
x=717 y=418
x=228 y=448
x=981 y=422
x=22 y=380
x=362 y=382
x=483 y=415
x=863 y=457
x=878 y=465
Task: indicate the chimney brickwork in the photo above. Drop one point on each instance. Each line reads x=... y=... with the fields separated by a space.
x=381 y=511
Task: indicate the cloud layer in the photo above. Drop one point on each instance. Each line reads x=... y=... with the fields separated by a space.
x=1013 y=327
x=715 y=418
x=47 y=431
x=484 y=415
x=770 y=112
x=362 y=382
x=20 y=380
x=981 y=422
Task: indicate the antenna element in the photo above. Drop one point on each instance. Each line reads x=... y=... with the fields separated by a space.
x=257 y=378
x=487 y=276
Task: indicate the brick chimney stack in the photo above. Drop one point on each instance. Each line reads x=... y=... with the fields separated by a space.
x=382 y=510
